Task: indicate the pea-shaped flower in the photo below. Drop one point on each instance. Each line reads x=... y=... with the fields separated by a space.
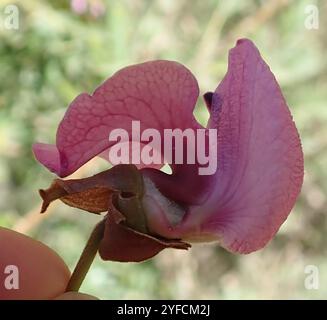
x=251 y=143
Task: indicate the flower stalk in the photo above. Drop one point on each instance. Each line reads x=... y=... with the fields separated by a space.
x=85 y=261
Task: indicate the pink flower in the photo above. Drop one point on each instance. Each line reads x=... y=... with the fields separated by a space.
x=95 y=7
x=242 y=205
x=79 y=6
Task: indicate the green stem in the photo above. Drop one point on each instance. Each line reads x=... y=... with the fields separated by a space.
x=86 y=258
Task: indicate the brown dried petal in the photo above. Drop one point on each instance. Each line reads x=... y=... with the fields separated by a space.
x=94 y=199
x=92 y=193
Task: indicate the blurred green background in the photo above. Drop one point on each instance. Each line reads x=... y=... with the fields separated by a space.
x=60 y=51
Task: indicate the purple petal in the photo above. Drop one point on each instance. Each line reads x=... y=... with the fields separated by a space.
x=160 y=94
x=260 y=160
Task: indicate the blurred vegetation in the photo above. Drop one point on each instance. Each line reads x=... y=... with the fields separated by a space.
x=58 y=52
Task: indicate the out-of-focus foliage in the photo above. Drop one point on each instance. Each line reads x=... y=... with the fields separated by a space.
x=57 y=53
